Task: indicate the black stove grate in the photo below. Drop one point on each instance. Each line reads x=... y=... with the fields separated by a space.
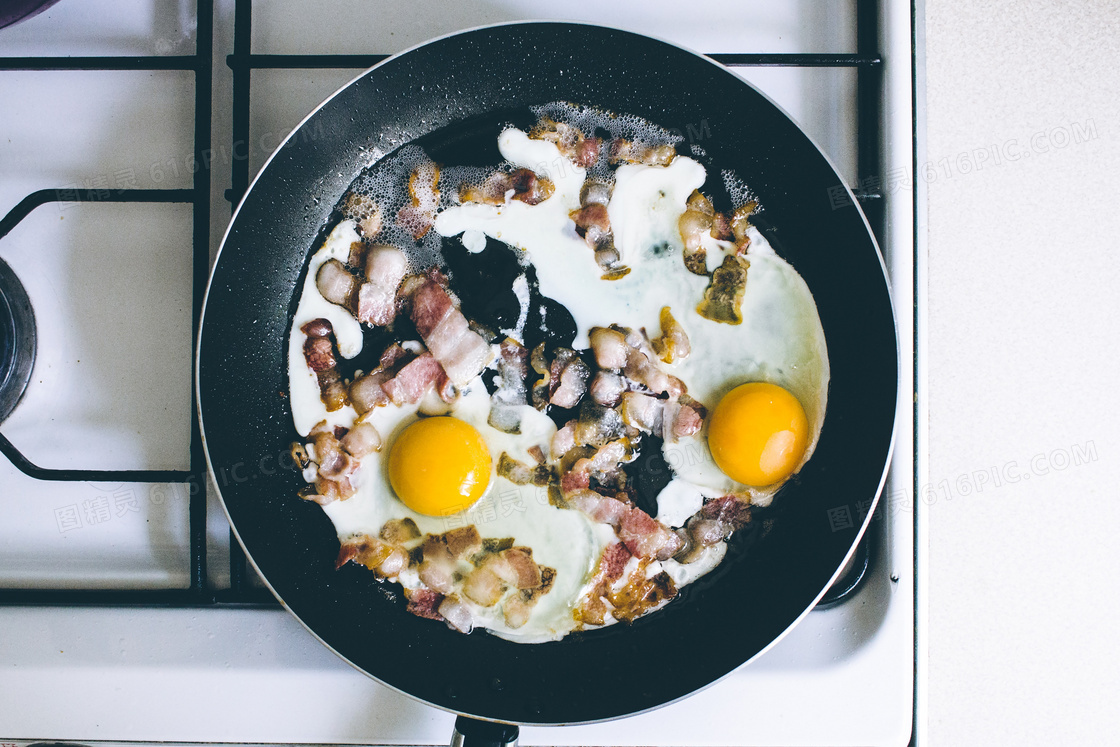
x=867 y=62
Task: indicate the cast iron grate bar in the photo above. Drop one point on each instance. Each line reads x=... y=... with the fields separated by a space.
x=181 y=62
x=201 y=64
x=342 y=61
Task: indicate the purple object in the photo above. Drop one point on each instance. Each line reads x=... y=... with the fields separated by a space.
x=14 y=11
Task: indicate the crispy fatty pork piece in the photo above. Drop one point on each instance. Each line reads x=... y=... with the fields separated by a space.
x=461 y=351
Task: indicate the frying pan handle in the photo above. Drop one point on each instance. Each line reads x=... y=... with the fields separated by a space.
x=471 y=732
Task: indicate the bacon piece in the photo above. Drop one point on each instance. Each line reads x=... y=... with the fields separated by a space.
x=320 y=354
x=687 y=421
x=723 y=298
x=570 y=482
x=376 y=300
x=515 y=567
x=414 y=379
x=564 y=440
x=519 y=606
x=400 y=531
x=610 y=347
x=597 y=425
x=365 y=212
x=643 y=412
x=423 y=188
x=606 y=459
x=520 y=184
x=606 y=388
x=462 y=352
x=483 y=587
x=335 y=283
x=586 y=154
x=645 y=537
x=600 y=508
x=424 y=603
x=361 y=440
x=673 y=343
x=457 y=614
x=381 y=557
x=521 y=474
x=568 y=379
x=740 y=222
x=513 y=371
x=613 y=561
x=635 y=151
x=366 y=392
x=462 y=541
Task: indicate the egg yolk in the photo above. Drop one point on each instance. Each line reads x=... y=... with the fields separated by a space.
x=439 y=466
x=758 y=434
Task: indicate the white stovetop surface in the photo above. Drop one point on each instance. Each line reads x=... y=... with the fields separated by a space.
x=843 y=676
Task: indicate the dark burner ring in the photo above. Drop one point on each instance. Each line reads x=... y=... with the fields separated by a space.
x=17 y=340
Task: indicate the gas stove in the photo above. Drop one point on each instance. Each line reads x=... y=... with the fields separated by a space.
x=129 y=131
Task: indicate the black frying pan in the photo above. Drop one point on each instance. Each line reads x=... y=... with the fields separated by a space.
x=453 y=84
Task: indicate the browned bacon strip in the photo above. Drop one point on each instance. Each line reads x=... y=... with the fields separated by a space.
x=462 y=352
x=425 y=603
x=321 y=355
x=376 y=299
x=413 y=380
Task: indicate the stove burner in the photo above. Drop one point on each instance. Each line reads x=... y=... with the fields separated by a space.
x=17 y=340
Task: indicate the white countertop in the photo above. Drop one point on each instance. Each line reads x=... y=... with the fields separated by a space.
x=1022 y=354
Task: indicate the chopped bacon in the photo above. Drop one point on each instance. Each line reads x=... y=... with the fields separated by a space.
x=600 y=508
x=605 y=459
x=462 y=352
x=645 y=537
x=424 y=603
x=414 y=379
x=381 y=557
x=462 y=541
x=400 y=531
x=513 y=371
x=568 y=379
x=686 y=422
x=521 y=184
x=570 y=482
x=610 y=347
x=457 y=614
x=642 y=411
x=320 y=354
x=522 y=474
x=634 y=151
x=361 y=440
x=613 y=562
x=334 y=461
x=335 y=283
x=673 y=343
x=723 y=298
x=376 y=299
x=564 y=440
x=366 y=392
x=728 y=509
x=423 y=188
x=515 y=567
x=586 y=154
x=483 y=587
x=607 y=388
